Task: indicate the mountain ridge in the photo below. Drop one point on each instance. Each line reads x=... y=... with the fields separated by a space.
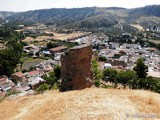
x=91 y=17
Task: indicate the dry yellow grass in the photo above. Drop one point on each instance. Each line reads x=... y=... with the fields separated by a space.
x=155 y=41
x=87 y=104
x=57 y=36
x=139 y=27
x=29 y=39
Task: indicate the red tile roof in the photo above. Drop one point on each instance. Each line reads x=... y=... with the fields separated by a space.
x=58 y=49
x=19 y=74
x=33 y=72
x=2 y=79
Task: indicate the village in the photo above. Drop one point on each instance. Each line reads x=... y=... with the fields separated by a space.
x=44 y=47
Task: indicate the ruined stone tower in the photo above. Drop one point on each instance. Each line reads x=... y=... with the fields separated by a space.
x=76 y=68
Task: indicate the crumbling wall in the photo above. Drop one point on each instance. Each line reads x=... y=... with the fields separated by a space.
x=76 y=68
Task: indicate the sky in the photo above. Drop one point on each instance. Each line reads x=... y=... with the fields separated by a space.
x=25 y=5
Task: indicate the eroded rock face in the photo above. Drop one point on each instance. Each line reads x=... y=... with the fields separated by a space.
x=76 y=68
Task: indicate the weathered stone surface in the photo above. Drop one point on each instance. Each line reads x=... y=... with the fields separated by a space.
x=76 y=68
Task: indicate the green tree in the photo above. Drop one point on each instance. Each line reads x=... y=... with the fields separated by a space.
x=158 y=46
x=53 y=77
x=12 y=92
x=8 y=61
x=102 y=58
x=96 y=73
x=141 y=69
x=50 y=45
x=156 y=86
x=50 y=79
x=128 y=77
x=57 y=71
x=110 y=74
x=42 y=88
x=153 y=84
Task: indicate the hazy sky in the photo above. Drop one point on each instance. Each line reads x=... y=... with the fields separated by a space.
x=24 y=5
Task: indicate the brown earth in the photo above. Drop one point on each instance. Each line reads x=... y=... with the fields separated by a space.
x=139 y=27
x=155 y=41
x=57 y=36
x=87 y=104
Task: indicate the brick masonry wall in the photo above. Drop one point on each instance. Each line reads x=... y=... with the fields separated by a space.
x=76 y=68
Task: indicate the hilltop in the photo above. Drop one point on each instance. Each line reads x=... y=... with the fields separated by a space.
x=90 y=104
x=90 y=18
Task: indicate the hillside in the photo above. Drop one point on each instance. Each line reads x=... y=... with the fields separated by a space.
x=87 y=104
x=90 y=18
x=4 y=14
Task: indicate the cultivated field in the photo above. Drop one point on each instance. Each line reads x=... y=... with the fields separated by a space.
x=57 y=36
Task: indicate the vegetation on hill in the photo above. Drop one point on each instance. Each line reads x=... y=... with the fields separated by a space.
x=53 y=16
x=97 y=73
x=8 y=33
x=61 y=43
x=52 y=79
x=10 y=56
x=4 y=14
x=136 y=79
x=91 y=18
x=148 y=10
x=141 y=69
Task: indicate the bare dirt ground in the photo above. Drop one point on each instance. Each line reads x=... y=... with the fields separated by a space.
x=87 y=104
x=155 y=41
x=57 y=36
x=28 y=39
x=139 y=27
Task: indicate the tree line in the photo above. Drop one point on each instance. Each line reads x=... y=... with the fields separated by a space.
x=134 y=79
x=10 y=56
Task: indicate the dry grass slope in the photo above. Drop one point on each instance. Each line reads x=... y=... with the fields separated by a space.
x=87 y=104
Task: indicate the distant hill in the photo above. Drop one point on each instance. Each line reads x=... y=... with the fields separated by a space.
x=112 y=18
x=4 y=14
x=54 y=15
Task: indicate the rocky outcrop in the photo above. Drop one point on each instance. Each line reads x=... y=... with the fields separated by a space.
x=76 y=68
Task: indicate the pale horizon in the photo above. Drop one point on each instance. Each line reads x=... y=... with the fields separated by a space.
x=26 y=5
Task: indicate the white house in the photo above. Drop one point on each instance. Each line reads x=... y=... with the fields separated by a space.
x=107 y=65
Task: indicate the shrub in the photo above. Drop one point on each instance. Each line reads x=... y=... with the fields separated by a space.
x=108 y=86
x=42 y=88
x=102 y=58
x=97 y=83
x=96 y=73
x=11 y=92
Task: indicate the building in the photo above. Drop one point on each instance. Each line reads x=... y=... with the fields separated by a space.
x=34 y=74
x=18 y=76
x=117 y=63
x=35 y=82
x=6 y=84
x=22 y=81
x=58 y=49
x=107 y=65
